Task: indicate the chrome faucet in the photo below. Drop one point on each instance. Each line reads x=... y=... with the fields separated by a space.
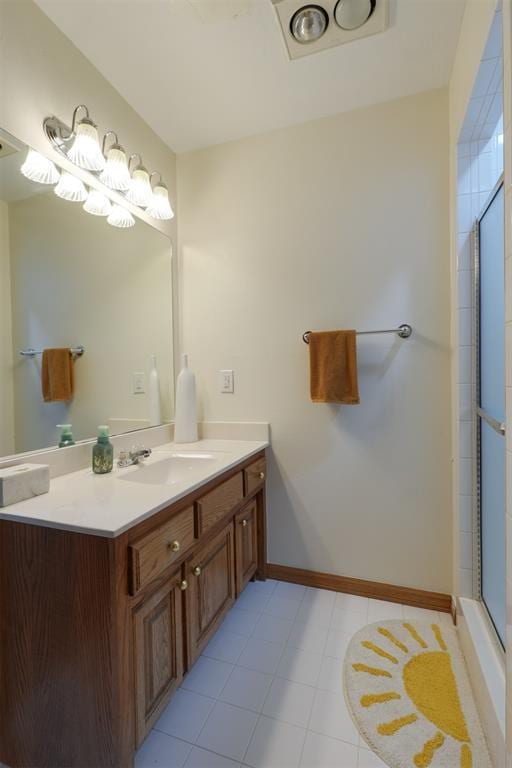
x=127 y=458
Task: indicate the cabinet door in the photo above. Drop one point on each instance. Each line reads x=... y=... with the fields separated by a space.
x=211 y=590
x=158 y=653
x=246 y=544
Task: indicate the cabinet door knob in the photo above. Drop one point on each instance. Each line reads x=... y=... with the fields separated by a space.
x=261 y=475
x=197 y=570
x=244 y=523
x=183 y=585
x=174 y=546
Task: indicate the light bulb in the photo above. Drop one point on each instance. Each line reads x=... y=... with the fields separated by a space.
x=116 y=174
x=97 y=203
x=140 y=191
x=71 y=188
x=159 y=206
x=85 y=150
x=38 y=168
x=120 y=217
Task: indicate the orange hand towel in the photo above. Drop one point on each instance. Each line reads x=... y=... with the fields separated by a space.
x=333 y=367
x=57 y=378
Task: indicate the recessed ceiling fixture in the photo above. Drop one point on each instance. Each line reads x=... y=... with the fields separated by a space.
x=312 y=27
x=309 y=23
x=81 y=145
x=38 y=168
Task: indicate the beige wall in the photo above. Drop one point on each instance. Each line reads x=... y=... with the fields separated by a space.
x=76 y=280
x=341 y=222
x=6 y=393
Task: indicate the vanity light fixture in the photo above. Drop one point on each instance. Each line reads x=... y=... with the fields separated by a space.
x=140 y=192
x=120 y=217
x=85 y=150
x=97 y=203
x=71 y=188
x=38 y=168
x=159 y=206
x=115 y=174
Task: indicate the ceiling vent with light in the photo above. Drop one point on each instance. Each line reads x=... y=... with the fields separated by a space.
x=311 y=27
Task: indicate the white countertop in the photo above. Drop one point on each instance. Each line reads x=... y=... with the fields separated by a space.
x=108 y=505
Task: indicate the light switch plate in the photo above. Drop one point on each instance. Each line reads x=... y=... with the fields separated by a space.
x=139 y=383
x=226 y=382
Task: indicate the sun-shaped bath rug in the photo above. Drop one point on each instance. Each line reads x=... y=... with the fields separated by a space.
x=409 y=695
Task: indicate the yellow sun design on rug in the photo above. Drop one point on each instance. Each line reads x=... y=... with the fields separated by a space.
x=409 y=695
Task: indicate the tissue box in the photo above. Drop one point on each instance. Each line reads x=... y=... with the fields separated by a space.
x=22 y=481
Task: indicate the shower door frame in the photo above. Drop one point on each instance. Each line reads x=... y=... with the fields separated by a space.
x=478 y=413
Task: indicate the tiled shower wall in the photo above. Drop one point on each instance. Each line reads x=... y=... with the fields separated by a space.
x=479 y=166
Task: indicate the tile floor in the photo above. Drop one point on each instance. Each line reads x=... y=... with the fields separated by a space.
x=267 y=690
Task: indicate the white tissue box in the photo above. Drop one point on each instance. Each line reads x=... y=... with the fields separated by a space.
x=23 y=481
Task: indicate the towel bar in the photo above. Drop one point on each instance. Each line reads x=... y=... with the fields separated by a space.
x=404 y=331
x=75 y=351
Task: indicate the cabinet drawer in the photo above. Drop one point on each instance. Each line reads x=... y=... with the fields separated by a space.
x=216 y=504
x=254 y=475
x=155 y=552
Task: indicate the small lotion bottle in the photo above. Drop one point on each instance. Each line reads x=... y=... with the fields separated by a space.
x=185 y=422
x=102 y=453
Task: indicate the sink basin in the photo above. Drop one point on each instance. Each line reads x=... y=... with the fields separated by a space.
x=171 y=468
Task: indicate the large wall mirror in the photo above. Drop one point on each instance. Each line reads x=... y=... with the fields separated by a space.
x=67 y=280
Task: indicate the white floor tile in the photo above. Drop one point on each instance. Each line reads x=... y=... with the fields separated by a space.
x=330 y=717
x=272 y=628
x=246 y=688
x=421 y=614
x=324 y=752
x=207 y=676
x=228 y=730
x=261 y=655
x=381 y=610
x=275 y=745
x=308 y=638
x=284 y=607
x=162 y=751
x=299 y=666
x=337 y=643
x=290 y=702
x=348 y=621
x=445 y=618
x=185 y=715
x=240 y=621
x=201 y=758
x=317 y=613
x=256 y=595
x=368 y=759
x=225 y=646
x=346 y=602
x=291 y=591
x=331 y=675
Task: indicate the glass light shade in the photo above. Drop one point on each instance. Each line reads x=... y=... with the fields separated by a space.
x=120 y=217
x=97 y=203
x=116 y=174
x=38 y=168
x=85 y=150
x=71 y=188
x=159 y=206
x=140 y=192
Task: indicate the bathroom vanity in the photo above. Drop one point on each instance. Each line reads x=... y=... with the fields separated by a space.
x=110 y=589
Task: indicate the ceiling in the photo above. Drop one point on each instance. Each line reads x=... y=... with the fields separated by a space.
x=203 y=72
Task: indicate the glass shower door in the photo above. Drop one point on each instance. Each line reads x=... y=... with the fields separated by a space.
x=491 y=407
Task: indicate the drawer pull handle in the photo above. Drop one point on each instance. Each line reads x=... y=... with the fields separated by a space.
x=261 y=475
x=174 y=546
x=244 y=523
x=183 y=585
x=197 y=570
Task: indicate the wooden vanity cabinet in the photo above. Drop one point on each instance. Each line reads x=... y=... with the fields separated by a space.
x=210 y=576
x=96 y=633
x=157 y=653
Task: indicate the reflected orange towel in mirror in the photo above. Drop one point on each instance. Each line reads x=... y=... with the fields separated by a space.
x=57 y=376
x=333 y=367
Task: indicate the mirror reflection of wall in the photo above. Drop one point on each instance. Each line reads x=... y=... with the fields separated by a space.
x=67 y=278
